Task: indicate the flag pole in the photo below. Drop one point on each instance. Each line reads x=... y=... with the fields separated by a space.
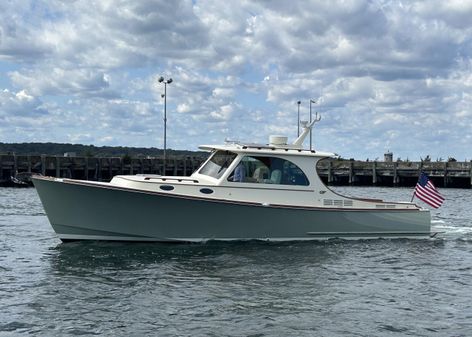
x=414 y=191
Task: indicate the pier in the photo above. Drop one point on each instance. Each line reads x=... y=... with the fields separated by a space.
x=399 y=173
x=93 y=168
x=331 y=171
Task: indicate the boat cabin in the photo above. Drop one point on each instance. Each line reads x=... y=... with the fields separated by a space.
x=260 y=164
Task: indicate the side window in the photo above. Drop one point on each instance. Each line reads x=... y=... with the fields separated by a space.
x=268 y=170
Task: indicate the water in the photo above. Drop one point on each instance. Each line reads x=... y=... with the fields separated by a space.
x=334 y=288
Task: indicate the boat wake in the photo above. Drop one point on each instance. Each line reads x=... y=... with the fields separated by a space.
x=450 y=232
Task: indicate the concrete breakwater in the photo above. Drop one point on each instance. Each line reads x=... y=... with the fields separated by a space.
x=331 y=171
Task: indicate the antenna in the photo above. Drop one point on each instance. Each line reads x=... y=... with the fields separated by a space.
x=316 y=117
x=298 y=143
x=298 y=118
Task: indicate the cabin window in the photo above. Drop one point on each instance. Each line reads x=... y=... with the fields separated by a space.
x=218 y=164
x=268 y=170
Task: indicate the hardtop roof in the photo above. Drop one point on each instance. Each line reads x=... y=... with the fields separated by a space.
x=267 y=149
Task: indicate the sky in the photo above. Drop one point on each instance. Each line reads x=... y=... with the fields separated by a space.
x=386 y=75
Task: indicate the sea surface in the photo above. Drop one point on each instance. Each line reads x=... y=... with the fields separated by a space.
x=330 y=288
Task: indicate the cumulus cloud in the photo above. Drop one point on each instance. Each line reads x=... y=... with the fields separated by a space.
x=60 y=81
x=385 y=73
x=20 y=104
x=103 y=34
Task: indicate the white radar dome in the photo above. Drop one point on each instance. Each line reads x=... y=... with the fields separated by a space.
x=278 y=140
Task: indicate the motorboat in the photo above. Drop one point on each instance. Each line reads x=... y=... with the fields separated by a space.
x=243 y=191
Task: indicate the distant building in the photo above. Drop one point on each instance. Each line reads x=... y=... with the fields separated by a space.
x=388 y=157
x=70 y=154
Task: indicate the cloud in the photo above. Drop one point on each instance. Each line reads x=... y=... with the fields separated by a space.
x=384 y=72
x=20 y=104
x=105 y=34
x=59 y=81
x=17 y=42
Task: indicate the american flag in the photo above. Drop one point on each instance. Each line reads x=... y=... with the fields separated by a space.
x=426 y=191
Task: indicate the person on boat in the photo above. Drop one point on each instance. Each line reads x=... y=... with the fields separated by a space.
x=239 y=173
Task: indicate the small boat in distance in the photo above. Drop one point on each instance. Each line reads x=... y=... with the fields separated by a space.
x=19 y=180
x=241 y=192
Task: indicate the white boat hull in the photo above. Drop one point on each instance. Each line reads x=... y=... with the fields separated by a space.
x=80 y=210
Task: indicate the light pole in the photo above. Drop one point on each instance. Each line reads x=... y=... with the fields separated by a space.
x=169 y=81
x=298 y=119
x=314 y=102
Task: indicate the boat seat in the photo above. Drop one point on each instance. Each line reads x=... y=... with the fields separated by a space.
x=260 y=174
x=276 y=177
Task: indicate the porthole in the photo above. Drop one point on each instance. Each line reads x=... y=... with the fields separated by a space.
x=206 y=190
x=166 y=187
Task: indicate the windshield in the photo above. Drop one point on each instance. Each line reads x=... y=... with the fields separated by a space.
x=268 y=170
x=218 y=164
